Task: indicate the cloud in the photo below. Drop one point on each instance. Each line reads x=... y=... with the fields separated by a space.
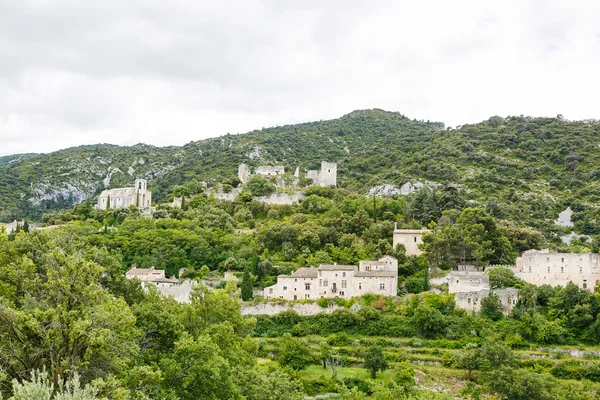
x=126 y=71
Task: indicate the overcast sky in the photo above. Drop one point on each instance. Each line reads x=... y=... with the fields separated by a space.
x=166 y=72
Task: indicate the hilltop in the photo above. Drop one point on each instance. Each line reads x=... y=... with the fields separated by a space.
x=519 y=168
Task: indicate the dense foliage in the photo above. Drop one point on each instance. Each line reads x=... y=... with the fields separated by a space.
x=517 y=168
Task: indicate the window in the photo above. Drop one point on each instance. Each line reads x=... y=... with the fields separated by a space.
x=344 y=283
x=415 y=239
x=270 y=290
x=307 y=296
x=307 y=286
x=341 y=293
x=281 y=297
x=285 y=288
x=320 y=282
x=562 y=269
x=382 y=286
x=580 y=269
x=584 y=285
x=325 y=283
x=547 y=259
x=343 y=274
x=548 y=269
x=359 y=285
x=295 y=280
x=562 y=260
x=530 y=268
x=469 y=300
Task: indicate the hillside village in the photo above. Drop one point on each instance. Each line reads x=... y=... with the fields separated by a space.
x=468 y=284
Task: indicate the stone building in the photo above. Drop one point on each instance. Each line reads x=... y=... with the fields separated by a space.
x=469 y=288
x=471 y=301
x=410 y=238
x=179 y=290
x=326 y=176
x=540 y=267
x=345 y=281
x=138 y=196
x=266 y=171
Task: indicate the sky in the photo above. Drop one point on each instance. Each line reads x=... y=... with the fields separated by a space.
x=161 y=72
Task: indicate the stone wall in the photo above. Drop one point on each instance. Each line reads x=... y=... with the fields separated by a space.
x=471 y=301
x=300 y=308
x=410 y=238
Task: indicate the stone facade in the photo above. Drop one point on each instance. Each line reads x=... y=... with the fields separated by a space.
x=540 y=267
x=410 y=238
x=471 y=301
x=326 y=176
x=179 y=290
x=138 y=196
x=345 y=281
x=469 y=288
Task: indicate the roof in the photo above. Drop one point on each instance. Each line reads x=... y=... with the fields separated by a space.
x=360 y=274
x=142 y=271
x=163 y=280
x=410 y=231
x=305 y=272
x=388 y=258
x=336 y=267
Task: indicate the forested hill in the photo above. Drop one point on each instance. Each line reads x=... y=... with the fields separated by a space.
x=519 y=167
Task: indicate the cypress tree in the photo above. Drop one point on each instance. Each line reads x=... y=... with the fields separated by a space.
x=246 y=286
x=25 y=226
x=108 y=202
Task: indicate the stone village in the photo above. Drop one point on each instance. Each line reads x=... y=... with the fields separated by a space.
x=469 y=284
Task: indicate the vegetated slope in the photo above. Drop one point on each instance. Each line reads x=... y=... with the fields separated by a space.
x=519 y=167
x=40 y=183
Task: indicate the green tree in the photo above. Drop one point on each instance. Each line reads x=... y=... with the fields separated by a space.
x=429 y=320
x=246 y=286
x=293 y=353
x=491 y=307
x=501 y=277
x=375 y=360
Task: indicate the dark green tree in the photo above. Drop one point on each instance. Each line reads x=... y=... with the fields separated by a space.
x=246 y=285
x=375 y=360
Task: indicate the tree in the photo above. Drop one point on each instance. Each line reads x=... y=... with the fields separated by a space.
x=501 y=277
x=491 y=307
x=246 y=286
x=469 y=359
x=108 y=202
x=26 y=226
x=293 y=353
x=520 y=384
x=429 y=320
x=375 y=360
x=42 y=388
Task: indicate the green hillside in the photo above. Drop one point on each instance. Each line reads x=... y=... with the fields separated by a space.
x=520 y=168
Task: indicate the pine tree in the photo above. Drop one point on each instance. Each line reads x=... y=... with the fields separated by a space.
x=25 y=226
x=246 y=286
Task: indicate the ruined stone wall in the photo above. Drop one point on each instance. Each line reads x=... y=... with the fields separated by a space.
x=459 y=281
x=471 y=301
x=300 y=308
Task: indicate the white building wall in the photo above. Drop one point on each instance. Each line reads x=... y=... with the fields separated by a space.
x=411 y=239
x=289 y=288
x=385 y=286
x=545 y=268
x=125 y=197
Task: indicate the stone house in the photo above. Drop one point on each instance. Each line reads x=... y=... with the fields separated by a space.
x=540 y=267
x=410 y=238
x=470 y=287
x=344 y=281
x=179 y=290
x=138 y=196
